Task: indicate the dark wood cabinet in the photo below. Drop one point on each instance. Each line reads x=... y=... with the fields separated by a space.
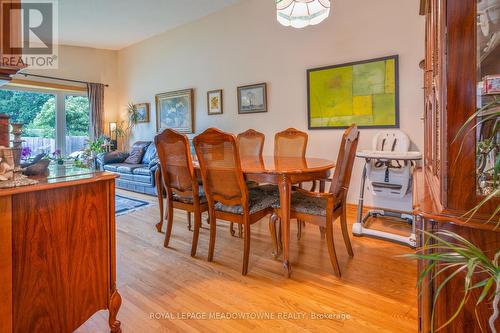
x=58 y=257
x=447 y=186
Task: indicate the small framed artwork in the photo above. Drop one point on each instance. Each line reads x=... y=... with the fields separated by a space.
x=365 y=93
x=174 y=110
x=142 y=112
x=252 y=98
x=214 y=102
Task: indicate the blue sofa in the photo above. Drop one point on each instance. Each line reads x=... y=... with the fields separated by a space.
x=140 y=177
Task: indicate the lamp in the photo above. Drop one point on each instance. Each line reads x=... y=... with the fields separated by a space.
x=301 y=13
x=112 y=129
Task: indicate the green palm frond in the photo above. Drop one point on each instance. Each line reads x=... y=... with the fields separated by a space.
x=454 y=255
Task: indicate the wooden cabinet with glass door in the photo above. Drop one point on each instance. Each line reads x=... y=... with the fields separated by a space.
x=462 y=61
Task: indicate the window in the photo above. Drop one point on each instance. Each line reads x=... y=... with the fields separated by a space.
x=52 y=119
x=77 y=123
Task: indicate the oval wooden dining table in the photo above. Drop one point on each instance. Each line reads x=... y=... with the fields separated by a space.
x=280 y=171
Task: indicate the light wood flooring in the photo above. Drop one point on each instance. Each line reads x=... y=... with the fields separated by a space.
x=162 y=287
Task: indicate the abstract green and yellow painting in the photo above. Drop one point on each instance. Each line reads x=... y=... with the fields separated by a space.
x=363 y=93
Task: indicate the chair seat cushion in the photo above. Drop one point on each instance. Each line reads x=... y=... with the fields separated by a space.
x=143 y=171
x=259 y=199
x=251 y=184
x=189 y=199
x=306 y=204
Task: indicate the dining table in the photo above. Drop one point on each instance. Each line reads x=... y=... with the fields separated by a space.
x=282 y=172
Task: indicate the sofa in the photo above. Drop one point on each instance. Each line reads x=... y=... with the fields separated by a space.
x=138 y=176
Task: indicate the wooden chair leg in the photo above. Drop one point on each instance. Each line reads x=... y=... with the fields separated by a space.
x=280 y=237
x=322 y=232
x=299 y=229
x=213 y=231
x=159 y=190
x=345 y=233
x=246 y=250
x=274 y=236
x=231 y=229
x=313 y=187
x=240 y=231
x=189 y=220
x=321 y=186
x=331 y=248
x=170 y=221
x=196 y=233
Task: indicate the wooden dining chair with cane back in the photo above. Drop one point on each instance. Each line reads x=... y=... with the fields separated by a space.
x=227 y=194
x=180 y=181
x=323 y=209
x=250 y=144
x=292 y=143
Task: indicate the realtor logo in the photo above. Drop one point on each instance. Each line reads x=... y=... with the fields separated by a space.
x=29 y=33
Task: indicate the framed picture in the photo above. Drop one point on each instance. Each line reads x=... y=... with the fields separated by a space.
x=175 y=110
x=252 y=98
x=365 y=93
x=142 y=112
x=214 y=102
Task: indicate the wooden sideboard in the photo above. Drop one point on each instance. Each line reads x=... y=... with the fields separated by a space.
x=446 y=187
x=57 y=253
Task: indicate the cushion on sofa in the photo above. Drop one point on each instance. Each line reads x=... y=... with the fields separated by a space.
x=144 y=171
x=150 y=154
x=135 y=156
x=128 y=168
x=112 y=157
x=110 y=167
x=122 y=167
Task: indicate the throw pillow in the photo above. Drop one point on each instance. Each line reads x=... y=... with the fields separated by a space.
x=135 y=156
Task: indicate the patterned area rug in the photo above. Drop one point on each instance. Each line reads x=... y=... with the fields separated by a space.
x=124 y=205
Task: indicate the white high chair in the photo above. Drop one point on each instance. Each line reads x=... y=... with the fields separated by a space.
x=388 y=169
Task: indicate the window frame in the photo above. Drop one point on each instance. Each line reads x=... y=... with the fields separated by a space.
x=60 y=99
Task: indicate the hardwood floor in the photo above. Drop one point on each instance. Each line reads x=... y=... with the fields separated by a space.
x=162 y=287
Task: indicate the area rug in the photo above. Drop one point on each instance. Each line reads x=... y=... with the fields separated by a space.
x=124 y=205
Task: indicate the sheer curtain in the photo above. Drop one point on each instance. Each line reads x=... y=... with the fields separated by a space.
x=95 y=92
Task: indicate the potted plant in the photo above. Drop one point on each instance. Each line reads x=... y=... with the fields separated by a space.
x=57 y=156
x=123 y=129
x=26 y=153
x=454 y=255
x=451 y=253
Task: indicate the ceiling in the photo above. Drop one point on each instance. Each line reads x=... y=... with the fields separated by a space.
x=115 y=24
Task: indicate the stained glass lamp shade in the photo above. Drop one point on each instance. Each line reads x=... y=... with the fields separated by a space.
x=301 y=13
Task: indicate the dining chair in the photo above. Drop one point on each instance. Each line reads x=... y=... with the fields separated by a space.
x=292 y=143
x=323 y=209
x=227 y=194
x=180 y=181
x=250 y=144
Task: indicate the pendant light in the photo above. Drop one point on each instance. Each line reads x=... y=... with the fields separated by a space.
x=301 y=13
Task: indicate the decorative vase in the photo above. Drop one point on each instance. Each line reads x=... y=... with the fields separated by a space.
x=17 y=144
x=60 y=162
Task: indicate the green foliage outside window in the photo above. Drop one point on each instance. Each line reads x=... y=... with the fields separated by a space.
x=37 y=112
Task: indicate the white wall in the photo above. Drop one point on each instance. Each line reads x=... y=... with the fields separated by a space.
x=244 y=44
x=91 y=65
